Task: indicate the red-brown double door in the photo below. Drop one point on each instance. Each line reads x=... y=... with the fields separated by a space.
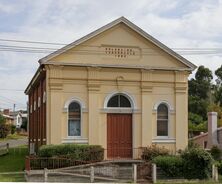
x=119 y=135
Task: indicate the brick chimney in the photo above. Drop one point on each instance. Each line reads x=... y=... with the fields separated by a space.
x=6 y=112
x=212 y=129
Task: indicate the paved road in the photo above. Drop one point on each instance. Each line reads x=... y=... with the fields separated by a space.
x=14 y=143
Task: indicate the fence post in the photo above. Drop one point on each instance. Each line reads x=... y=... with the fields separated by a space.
x=7 y=146
x=91 y=174
x=134 y=173
x=27 y=164
x=154 y=173
x=214 y=173
x=45 y=174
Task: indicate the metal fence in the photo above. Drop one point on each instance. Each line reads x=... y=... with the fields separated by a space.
x=38 y=163
x=105 y=171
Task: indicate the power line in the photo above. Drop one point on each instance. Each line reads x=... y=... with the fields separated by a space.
x=19 y=90
x=27 y=41
x=64 y=44
x=11 y=100
x=90 y=52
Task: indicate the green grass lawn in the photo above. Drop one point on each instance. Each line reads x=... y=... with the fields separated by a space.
x=14 y=161
x=12 y=178
x=12 y=136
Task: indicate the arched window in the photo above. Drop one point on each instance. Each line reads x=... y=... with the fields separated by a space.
x=119 y=101
x=162 y=120
x=74 y=119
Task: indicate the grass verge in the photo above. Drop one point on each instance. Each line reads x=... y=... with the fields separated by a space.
x=12 y=178
x=12 y=136
x=14 y=161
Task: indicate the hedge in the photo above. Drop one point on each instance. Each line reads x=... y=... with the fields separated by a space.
x=73 y=151
x=219 y=166
x=215 y=152
x=172 y=166
x=4 y=130
x=193 y=163
x=197 y=163
x=150 y=152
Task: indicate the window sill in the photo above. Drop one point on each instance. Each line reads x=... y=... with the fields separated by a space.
x=164 y=140
x=77 y=140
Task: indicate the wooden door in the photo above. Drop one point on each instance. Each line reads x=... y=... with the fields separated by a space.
x=119 y=135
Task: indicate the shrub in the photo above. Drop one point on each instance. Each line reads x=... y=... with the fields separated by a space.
x=197 y=163
x=215 y=152
x=172 y=166
x=150 y=152
x=4 y=130
x=73 y=151
x=192 y=144
x=219 y=166
x=24 y=125
x=13 y=128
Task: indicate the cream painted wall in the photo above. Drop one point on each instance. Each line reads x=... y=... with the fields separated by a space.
x=92 y=92
x=163 y=80
x=147 y=54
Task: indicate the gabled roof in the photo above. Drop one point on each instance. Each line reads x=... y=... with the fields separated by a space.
x=125 y=21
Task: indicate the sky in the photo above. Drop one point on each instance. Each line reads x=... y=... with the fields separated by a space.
x=176 y=23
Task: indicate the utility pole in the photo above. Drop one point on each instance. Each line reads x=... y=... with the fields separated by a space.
x=13 y=107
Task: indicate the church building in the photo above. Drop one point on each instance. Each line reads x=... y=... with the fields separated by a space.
x=117 y=87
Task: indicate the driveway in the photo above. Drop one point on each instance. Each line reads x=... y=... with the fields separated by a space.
x=14 y=143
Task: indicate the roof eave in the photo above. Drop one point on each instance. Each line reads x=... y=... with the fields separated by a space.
x=33 y=80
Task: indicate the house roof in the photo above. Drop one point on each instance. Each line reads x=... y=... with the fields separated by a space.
x=125 y=21
x=7 y=116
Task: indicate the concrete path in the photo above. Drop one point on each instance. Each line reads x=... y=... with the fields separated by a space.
x=14 y=143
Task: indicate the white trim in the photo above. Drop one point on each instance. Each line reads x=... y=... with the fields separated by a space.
x=168 y=120
x=170 y=107
x=117 y=110
x=69 y=63
x=39 y=101
x=112 y=24
x=126 y=94
x=34 y=105
x=66 y=107
x=74 y=99
x=164 y=140
x=78 y=140
x=44 y=97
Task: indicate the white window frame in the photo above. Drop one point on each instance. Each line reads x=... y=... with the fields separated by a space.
x=82 y=109
x=170 y=110
x=168 y=127
x=79 y=121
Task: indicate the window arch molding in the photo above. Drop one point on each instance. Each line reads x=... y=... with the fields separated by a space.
x=125 y=94
x=169 y=106
x=74 y=99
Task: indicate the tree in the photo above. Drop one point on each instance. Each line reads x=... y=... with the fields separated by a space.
x=204 y=74
x=4 y=128
x=2 y=119
x=200 y=92
x=218 y=87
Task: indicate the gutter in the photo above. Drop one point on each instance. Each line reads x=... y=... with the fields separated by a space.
x=31 y=83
